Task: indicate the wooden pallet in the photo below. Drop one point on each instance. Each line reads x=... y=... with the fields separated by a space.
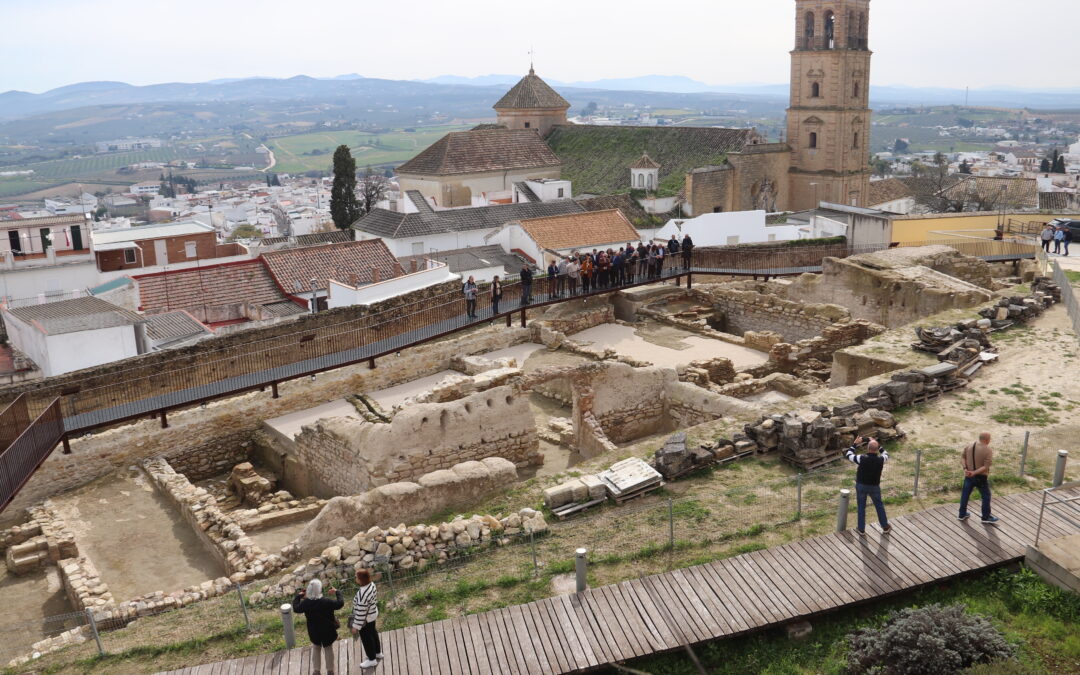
x=825 y=461
x=622 y=499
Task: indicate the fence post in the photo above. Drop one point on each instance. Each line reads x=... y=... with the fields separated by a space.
x=1059 y=468
x=842 y=509
x=287 y=623
x=1023 y=453
x=798 y=496
x=94 y=631
x=532 y=545
x=671 y=523
x=243 y=606
x=918 y=469
x=580 y=565
x=390 y=579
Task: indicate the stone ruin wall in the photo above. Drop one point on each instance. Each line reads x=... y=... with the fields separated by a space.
x=113 y=449
x=345 y=456
x=457 y=487
x=741 y=311
x=897 y=296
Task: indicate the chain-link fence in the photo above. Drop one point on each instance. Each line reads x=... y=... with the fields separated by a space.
x=728 y=514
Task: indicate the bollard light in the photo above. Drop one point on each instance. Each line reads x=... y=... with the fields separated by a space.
x=581 y=566
x=842 y=509
x=287 y=622
x=1059 y=468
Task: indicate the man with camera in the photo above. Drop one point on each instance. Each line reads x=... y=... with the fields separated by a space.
x=868 y=480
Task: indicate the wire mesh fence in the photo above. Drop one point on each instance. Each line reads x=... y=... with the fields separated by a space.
x=722 y=516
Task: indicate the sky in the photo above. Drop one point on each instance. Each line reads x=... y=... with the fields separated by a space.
x=924 y=43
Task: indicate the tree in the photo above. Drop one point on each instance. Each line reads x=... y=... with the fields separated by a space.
x=1044 y=165
x=372 y=189
x=900 y=146
x=100 y=212
x=1058 y=164
x=344 y=208
x=881 y=167
x=965 y=167
x=590 y=109
x=245 y=231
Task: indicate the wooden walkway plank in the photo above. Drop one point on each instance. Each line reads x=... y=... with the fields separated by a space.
x=583 y=631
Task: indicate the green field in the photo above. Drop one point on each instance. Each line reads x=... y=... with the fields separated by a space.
x=393 y=147
x=89 y=165
x=10 y=187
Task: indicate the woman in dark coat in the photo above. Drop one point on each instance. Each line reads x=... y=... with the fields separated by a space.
x=321 y=623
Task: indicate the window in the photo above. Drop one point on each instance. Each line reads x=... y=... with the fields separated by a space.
x=528 y=124
x=813 y=140
x=418 y=248
x=129 y=256
x=718 y=209
x=190 y=249
x=815 y=90
x=731 y=241
x=562 y=193
x=809 y=31
x=830 y=30
x=641 y=180
x=650 y=181
x=856 y=90
x=772 y=237
x=855 y=140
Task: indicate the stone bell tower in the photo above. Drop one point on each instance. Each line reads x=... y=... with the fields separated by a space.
x=829 y=118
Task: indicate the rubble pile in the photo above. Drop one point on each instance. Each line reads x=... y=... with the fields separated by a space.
x=248 y=486
x=405 y=547
x=813 y=437
x=1019 y=308
x=676 y=459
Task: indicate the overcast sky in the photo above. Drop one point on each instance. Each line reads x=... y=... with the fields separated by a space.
x=946 y=43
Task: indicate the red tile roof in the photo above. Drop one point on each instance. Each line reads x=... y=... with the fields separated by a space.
x=209 y=286
x=478 y=151
x=580 y=230
x=290 y=267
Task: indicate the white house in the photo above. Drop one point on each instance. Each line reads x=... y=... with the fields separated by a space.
x=352 y=292
x=69 y=335
x=426 y=230
x=545 y=239
x=730 y=228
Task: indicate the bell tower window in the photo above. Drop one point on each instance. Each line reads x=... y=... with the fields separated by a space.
x=855 y=90
x=815 y=90
x=855 y=141
x=813 y=140
x=810 y=27
x=830 y=30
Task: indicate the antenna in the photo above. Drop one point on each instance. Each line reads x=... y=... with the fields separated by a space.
x=532 y=58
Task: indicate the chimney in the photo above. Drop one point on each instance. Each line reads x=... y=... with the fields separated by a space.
x=354 y=279
x=412 y=266
x=374 y=275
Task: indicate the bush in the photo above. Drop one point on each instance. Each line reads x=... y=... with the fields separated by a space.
x=929 y=641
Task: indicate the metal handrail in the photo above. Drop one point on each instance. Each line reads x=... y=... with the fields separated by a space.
x=1050 y=492
x=24 y=455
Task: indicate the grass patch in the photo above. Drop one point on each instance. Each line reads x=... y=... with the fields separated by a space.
x=1024 y=416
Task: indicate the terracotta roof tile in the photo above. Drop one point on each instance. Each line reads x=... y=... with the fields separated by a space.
x=295 y=268
x=580 y=230
x=888 y=190
x=208 y=286
x=645 y=162
x=531 y=92
x=487 y=150
x=393 y=225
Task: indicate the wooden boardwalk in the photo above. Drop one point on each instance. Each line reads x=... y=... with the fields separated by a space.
x=586 y=631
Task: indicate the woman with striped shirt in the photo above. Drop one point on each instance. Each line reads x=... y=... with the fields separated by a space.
x=365 y=611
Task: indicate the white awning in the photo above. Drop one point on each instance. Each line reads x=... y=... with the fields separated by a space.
x=115 y=246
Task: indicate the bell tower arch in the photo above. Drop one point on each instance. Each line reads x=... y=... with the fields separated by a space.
x=829 y=115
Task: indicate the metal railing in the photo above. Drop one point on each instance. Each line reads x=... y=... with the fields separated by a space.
x=1068 y=295
x=1064 y=507
x=21 y=458
x=13 y=421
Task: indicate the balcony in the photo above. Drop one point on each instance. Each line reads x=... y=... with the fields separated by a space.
x=14 y=261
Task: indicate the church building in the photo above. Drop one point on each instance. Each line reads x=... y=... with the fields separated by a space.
x=700 y=169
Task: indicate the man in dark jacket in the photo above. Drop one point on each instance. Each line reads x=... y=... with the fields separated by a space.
x=526 y=284
x=687 y=249
x=868 y=481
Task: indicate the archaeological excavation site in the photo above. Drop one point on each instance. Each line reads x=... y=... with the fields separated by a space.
x=471 y=457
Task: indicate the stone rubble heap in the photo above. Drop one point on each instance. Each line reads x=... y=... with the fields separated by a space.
x=249 y=486
x=1018 y=308
x=810 y=438
x=405 y=548
x=676 y=459
x=953 y=343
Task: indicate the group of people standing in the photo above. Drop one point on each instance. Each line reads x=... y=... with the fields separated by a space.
x=1058 y=235
x=587 y=272
x=975 y=459
x=612 y=268
x=323 y=625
